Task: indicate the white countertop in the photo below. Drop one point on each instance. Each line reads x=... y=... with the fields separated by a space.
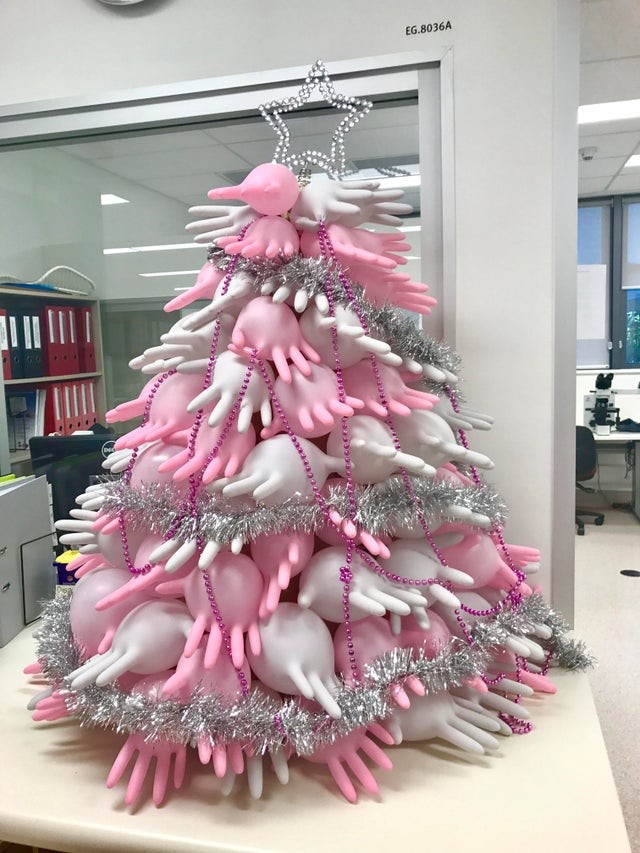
x=615 y=437
x=551 y=790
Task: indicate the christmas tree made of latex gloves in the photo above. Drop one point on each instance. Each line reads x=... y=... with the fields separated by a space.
x=299 y=559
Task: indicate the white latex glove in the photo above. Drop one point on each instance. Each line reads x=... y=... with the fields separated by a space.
x=273 y=471
x=296 y=297
x=228 y=378
x=374 y=457
x=427 y=435
x=149 y=639
x=439 y=715
x=370 y=593
x=238 y=294
x=520 y=645
x=465 y=418
x=221 y=220
x=188 y=351
x=352 y=342
x=327 y=200
x=297 y=656
x=253 y=767
x=492 y=702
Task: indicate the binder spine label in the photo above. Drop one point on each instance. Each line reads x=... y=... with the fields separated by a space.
x=26 y=325
x=37 y=343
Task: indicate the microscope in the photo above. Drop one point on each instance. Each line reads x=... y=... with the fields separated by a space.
x=600 y=410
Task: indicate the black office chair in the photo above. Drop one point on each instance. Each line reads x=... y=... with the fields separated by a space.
x=586 y=467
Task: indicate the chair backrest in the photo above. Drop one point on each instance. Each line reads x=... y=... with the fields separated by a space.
x=586 y=454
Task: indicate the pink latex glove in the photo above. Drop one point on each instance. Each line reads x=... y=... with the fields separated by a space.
x=163 y=751
x=521 y=555
x=355 y=244
x=221 y=679
x=270 y=188
x=51 y=708
x=279 y=557
x=150 y=460
x=169 y=412
x=237 y=587
x=360 y=380
x=269 y=237
x=84 y=563
x=51 y=704
x=146 y=750
x=476 y=555
x=448 y=473
x=372 y=638
x=208 y=279
x=431 y=641
x=346 y=751
x=94 y=630
x=145 y=583
x=383 y=287
x=191 y=673
x=341 y=527
x=227 y=462
x=272 y=329
x=311 y=403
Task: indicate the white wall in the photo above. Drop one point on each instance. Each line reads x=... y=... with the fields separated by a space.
x=515 y=76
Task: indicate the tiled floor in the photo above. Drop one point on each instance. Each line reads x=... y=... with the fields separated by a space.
x=608 y=619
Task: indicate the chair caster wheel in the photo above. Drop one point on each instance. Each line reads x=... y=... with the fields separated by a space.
x=580 y=532
x=599 y=522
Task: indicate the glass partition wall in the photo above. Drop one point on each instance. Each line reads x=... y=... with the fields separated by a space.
x=111 y=200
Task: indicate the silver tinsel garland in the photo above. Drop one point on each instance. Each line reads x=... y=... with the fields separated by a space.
x=384 y=508
x=266 y=723
x=314 y=274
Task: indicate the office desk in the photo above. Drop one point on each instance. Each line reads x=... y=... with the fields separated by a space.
x=621 y=439
x=551 y=790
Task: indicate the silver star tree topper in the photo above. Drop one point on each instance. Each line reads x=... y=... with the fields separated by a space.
x=355 y=109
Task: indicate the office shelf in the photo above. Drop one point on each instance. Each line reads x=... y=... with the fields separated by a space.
x=20 y=299
x=38 y=379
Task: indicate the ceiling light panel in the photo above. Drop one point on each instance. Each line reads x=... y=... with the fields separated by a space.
x=110 y=198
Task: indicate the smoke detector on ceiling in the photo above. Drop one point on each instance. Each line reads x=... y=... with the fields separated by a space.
x=587 y=154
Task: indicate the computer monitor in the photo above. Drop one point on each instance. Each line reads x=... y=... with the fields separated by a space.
x=68 y=462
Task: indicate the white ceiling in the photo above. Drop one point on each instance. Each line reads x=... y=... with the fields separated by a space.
x=185 y=164
x=176 y=168
x=609 y=71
